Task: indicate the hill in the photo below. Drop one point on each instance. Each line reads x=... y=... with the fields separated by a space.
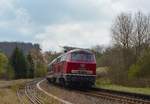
x=8 y=47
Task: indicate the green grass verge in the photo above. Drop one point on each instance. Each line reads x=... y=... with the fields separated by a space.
x=106 y=84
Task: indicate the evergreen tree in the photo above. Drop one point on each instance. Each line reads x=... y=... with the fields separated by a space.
x=19 y=63
x=31 y=66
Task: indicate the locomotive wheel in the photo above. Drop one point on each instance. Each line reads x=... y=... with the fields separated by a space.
x=53 y=80
x=62 y=82
x=68 y=84
x=49 y=80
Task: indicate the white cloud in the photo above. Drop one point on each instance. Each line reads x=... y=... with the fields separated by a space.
x=23 y=22
x=22 y=17
x=81 y=33
x=86 y=33
x=78 y=35
x=6 y=5
x=15 y=17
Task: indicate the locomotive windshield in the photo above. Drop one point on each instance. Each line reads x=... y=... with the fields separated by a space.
x=82 y=57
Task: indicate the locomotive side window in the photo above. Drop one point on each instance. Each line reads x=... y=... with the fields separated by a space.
x=58 y=59
x=50 y=68
x=82 y=57
x=64 y=57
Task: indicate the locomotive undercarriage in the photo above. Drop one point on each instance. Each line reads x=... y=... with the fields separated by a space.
x=73 y=80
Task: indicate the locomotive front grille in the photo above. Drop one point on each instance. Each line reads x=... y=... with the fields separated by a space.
x=81 y=72
x=81 y=78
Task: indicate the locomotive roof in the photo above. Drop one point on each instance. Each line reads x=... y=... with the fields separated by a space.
x=71 y=51
x=79 y=50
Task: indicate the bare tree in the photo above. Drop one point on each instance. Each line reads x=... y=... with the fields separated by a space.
x=147 y=40
x=121 y=35
x=122 y=30
x=140 y=36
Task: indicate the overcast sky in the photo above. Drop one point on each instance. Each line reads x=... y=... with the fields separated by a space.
x=54 y=23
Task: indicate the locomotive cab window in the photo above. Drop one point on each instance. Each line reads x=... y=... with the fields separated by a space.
x=82 y=57
x=58 y=59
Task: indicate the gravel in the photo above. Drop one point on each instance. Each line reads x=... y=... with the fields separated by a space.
x=73 y=96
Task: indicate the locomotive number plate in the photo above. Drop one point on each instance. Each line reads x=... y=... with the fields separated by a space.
x=80 y=71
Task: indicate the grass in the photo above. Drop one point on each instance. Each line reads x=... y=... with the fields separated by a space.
x=106 y=84
x=8 y=91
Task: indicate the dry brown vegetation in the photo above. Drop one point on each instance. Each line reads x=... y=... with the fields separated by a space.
x=8 y=91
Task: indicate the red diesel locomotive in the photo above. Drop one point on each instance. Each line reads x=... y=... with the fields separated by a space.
x=75 y=67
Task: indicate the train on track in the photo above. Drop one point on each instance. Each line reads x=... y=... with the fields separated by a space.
x=75 y=67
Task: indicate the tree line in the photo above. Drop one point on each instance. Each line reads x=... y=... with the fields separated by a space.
x=128 y=58
x=22 y=66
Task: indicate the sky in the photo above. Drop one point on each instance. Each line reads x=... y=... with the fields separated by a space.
x=57 y=23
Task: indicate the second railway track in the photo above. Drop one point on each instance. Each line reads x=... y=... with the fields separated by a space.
x=114 y=96
x=30 y=93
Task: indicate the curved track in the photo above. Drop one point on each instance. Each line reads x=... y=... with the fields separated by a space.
x=20 y=94
x=117 y=96
x=49 y=94
x=29 y=92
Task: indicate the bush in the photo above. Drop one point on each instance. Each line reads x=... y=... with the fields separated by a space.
x=6 y=71
x=31 y=66
x=3 y=64
x=142 y=68
x=134 y=71
x=10 y=74
x=40 y=71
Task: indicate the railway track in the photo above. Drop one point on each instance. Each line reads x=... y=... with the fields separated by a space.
x=30 y=93
x=20 y=94
x=51 y=95
x=114 y=96
x=121 y=97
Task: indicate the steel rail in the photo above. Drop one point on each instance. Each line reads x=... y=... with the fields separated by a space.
x=31 y=94
x=114 y=97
